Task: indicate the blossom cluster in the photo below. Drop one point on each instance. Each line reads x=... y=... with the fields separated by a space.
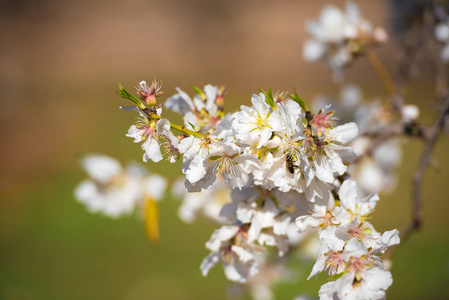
x=376 y=171
x=349 y=244
x=339 y=36
x=116 y=191
x=284 y=167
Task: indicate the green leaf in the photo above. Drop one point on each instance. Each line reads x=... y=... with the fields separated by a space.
x=193 y=126
x=335 y=277
x=124 y=94
x=268 y=97
x=298 y=99
x=199 y=92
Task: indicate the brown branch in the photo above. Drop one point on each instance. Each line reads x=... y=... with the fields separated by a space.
x=430 y=135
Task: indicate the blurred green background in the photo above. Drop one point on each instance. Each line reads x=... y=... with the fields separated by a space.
x=60 y=62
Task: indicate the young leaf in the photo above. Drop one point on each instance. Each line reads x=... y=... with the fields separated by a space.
x=199 y=92
x=268 y=97
x=124 y=94
x=193 y=126
x=298 y=99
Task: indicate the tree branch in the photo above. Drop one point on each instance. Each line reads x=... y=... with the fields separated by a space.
x=430 y=135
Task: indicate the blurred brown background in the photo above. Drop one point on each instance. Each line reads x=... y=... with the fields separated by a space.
x=60 y=62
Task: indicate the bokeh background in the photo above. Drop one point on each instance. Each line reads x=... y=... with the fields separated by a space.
x=60 y=62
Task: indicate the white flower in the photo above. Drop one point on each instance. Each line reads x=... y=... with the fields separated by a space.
x=371 y=286
x=148 y=132
x=203 y=112
x=101 y=168
x=364 y=232
x=323 y=216
x=265 y=213
x=283 y=167
x=232 y=164
x=328 y=39
x=115 y=191
x=229 y=244
x=255 y=125
x=329 y=259
x=258 y=218
x=350 y=200
x=324 y=153
x=364 y=277
x=196 y=153
x=337 y=36
x=208 y=157
x=111 y=190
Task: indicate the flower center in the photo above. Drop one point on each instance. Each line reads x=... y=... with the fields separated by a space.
x=225 y=166
x=334 y=260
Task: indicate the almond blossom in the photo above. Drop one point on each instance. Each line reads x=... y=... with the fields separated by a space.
x=338 y=36
x=255 y=125
x=114 y=190
x=203 y=112
x=363 y=274
x=230 y=245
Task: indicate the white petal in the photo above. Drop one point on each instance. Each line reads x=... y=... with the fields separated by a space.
x=354 y=248
x=135 y=133
x=313 y=50
x=378 y=280
x=101 y=168
x=152 y=150
x=208 y=262
x=344 y=133
x=327 y=291
x=180 y=103
x=275 y=121
x=348 y=194
x=221 y=235
x=211 y=95
x=388 y=239
x=242 y=253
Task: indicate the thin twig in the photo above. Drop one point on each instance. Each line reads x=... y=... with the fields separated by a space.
x=381 y=71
